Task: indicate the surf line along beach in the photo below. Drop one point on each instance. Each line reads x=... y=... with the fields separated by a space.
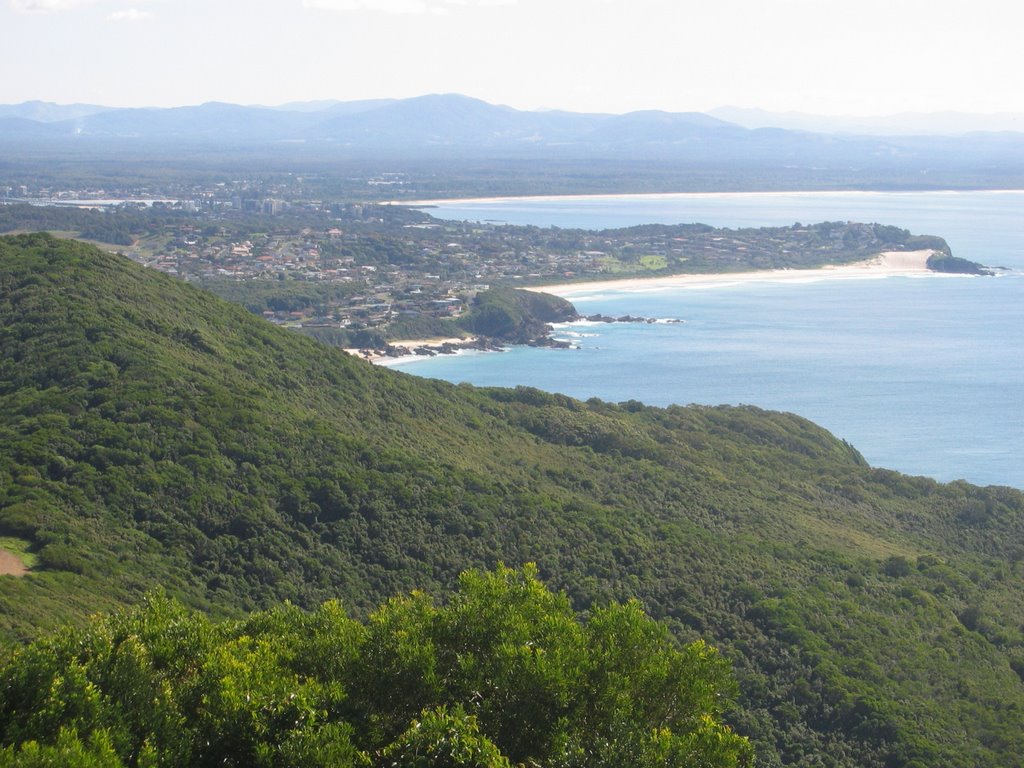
x=888 y=264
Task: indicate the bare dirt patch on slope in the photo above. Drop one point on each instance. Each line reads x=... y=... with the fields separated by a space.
x=11 y=565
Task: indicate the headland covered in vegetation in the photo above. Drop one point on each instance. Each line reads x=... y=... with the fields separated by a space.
x=155 y=436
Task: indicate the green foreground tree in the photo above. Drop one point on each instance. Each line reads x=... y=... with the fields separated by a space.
x=502 y=674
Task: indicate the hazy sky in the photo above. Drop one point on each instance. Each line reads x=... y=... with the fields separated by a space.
x=865 y=57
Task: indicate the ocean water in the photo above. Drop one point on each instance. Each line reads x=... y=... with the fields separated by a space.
x=922 y=374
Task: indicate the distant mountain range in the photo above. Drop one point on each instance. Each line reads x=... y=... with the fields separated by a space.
x=450 y=122
x=902 y=124
x=525 y=152
x=436 y=120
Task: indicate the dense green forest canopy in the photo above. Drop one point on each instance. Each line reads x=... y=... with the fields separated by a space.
x=503 y=673
x=153 y=435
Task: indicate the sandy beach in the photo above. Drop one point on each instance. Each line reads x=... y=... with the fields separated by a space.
x=378 y=356
x=888 y=264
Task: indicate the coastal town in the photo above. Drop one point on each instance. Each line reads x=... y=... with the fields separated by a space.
x=359 y=274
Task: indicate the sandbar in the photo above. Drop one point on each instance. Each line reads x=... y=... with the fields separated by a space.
x=888 y=264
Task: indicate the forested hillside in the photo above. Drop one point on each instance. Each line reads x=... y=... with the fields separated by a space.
x=153 y=435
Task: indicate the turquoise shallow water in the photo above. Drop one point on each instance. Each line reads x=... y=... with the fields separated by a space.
x=921 y=374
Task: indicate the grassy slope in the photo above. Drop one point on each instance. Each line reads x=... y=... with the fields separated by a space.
x=153 y=435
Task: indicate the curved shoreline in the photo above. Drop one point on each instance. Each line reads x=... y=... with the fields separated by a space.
x=888 y=264
x=664 y=195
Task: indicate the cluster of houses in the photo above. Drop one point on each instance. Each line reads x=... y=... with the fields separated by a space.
x=400 y=263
